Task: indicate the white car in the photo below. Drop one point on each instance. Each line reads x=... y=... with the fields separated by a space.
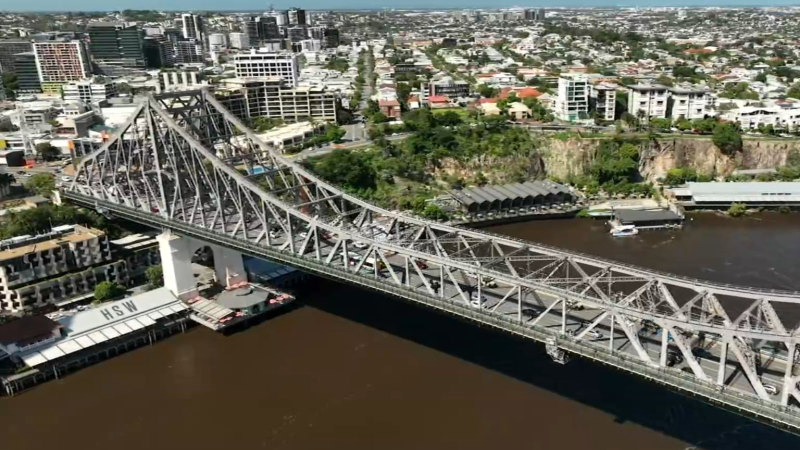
x=476 y=300
x=771 y=390
x=360 y=244
x=595 y=334
x=66 y=179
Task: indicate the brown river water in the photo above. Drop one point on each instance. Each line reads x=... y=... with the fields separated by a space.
x=350 y=369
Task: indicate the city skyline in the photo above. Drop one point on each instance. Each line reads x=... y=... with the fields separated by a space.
x=251 y=5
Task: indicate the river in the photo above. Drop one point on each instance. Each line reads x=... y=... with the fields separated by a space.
x=353 y=369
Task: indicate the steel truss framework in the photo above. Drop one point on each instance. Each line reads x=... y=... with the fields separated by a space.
x=185 y=159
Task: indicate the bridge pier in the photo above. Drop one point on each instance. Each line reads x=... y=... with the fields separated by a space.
x=228 y=266
x=176 y=263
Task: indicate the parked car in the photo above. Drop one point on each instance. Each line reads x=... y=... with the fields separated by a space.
x=771 y=389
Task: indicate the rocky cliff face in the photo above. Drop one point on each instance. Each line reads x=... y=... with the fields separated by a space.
x=573 y=156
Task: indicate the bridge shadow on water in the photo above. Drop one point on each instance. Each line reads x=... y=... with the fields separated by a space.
x=625 y=396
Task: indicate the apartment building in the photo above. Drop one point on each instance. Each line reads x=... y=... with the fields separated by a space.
x=690 y=103
x=650 y=99
x=27 y=71
x=59 y=62
x=191 y=26
x=267 y=64
x=89 y=91
x=188 y=51
x=116 y=44
x=273 y=97
x=9 y=48
x=67 y=262
x=447 y=86
x=240 y=41
x=753 y=117
x=572 y=103
x=604 y=97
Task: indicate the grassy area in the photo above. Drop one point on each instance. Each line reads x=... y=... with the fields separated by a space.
x=462 y=112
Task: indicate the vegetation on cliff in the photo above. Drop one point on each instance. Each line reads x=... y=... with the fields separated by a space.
x=403 y=174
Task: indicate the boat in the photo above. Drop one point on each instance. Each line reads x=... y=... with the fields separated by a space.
x=624 y=230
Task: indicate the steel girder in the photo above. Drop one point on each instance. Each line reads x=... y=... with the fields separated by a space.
x=185 y=158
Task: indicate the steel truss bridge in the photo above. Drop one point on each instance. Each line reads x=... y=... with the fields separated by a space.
x=184 y=163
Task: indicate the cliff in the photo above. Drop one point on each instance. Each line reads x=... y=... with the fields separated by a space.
x=573 y=156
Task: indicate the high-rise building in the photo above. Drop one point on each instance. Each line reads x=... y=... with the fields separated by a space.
x=188 y=51
x=191 y=26
x=281 y=17
x=60 y=62
x=116 y=44
x=297 y=16
x=297 y=33
x=27 y=71
x=331 y=38
x=9 y=48
x=261 y=28
x=239 y=41
x=265 y=64
x=572 y=103
x=158 y=52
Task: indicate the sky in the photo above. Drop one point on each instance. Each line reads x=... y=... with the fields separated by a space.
x=199 y=5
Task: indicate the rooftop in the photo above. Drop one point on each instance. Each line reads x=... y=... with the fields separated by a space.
x=242 y=298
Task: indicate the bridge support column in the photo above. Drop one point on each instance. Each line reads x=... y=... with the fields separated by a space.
x=176 y=262
x=228 y=266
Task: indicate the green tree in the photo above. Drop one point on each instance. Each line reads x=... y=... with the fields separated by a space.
x=727 y=138
x=403 y=92
x=47 y=151
x=488 y=91
x=794 y=91
x=106 y=290
x=449 y=118
x=352 y=170
x=155 y=276
x=41 y=184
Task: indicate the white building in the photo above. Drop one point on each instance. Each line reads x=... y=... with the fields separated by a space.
x=267 y=64
x=572 y=103
x=239 y=41
x=89 y=91
x=191 y=26
x=649 y=99
x=291 y=135
x=217 y=42
x=38 y=270
x=273 y=97
x=310 y=45
x=751 y=117
x=180 y=81
x=605 y=100
x=690 y=102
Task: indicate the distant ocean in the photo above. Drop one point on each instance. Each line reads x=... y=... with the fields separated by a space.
x=250 y=5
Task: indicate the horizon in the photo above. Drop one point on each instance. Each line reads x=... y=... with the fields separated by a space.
x=46 y=6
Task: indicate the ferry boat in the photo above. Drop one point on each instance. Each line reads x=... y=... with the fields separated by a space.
x=624 y=230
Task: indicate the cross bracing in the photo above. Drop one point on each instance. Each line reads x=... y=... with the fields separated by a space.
x=182 y=160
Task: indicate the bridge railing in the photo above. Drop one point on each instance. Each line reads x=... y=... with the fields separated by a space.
x=611 y=262
x=787 y=417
